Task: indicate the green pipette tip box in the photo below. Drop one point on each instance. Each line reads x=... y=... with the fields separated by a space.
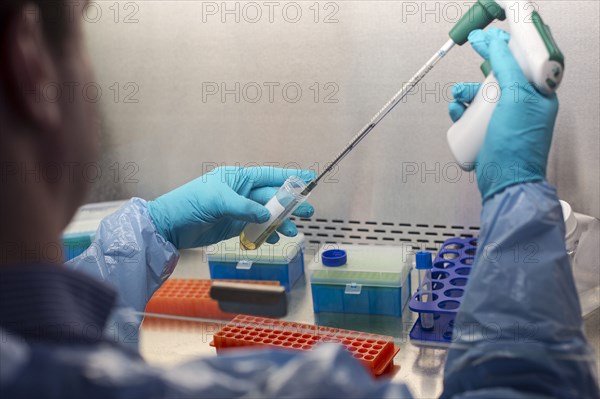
x=375 y=280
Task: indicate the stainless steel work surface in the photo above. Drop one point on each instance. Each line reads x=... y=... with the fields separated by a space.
x=167 y=341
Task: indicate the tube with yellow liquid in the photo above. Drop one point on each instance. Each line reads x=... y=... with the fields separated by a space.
x=284 y=202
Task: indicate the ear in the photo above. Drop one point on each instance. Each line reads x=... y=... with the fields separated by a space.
x=30 y=69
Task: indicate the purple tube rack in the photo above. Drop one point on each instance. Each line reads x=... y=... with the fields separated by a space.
x=439 y=336
x=450 y=274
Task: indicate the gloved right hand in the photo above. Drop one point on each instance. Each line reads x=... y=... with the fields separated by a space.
x=517 y=142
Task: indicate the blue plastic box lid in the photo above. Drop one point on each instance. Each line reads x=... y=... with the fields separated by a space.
x=282 y=252
x=371 y=265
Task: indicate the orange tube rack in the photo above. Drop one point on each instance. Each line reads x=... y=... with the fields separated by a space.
x=191 y=298
x=376 y=352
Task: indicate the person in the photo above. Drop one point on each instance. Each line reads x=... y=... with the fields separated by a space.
x=65 y=330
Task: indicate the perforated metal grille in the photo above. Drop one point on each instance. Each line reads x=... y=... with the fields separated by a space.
x=421 y=236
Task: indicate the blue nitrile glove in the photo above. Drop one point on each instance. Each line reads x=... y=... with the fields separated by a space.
x=219 y=204
x=517 y=142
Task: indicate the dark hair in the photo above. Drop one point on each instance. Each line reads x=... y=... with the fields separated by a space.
x=55 y=16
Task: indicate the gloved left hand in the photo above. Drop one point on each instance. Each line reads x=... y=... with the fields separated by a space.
x=219 y=204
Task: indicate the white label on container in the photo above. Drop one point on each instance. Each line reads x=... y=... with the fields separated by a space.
x=353 y=289
x=253 y=231
x=244 y=265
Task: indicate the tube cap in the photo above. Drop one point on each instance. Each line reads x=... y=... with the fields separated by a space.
x=334 y=257
x=423 y=259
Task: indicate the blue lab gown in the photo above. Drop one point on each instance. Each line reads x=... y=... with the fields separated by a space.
x=76 y=337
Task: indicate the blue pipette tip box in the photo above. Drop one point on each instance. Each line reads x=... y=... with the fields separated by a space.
x=282 y=261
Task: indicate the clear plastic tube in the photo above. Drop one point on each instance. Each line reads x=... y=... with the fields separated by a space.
x=425 y=296
x=284 y=202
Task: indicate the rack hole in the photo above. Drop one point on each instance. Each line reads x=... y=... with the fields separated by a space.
x=459 y=282
x=449 y=305
x=443 y=265
x=467 y=261
x=434 y=297
x=454 y=293
x=470 y=251
x=439 y=275
x=454 y=245
x=449 y=255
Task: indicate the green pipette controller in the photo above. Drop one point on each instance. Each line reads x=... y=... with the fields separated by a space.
x=538 y=56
